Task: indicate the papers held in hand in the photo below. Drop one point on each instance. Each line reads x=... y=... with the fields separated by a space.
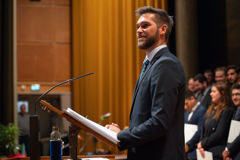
x=189 y=131
x=234 y=131
x=208 y=155
x=103 y=131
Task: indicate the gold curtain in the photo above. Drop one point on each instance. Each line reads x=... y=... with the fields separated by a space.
x=104 y=42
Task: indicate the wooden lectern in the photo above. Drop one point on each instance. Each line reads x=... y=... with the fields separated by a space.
x=79 y=125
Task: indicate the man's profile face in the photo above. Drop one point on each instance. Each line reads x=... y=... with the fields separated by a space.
x=208 y=76
x=147 y=31
x=220 y=76
x=232 y=76
x=236 y=97
x=189 y=103
x=198 y=86
x=191 y=85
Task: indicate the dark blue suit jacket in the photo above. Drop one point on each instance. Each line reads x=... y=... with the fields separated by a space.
x=156 y=129
x=234 y=147
x=197 y=119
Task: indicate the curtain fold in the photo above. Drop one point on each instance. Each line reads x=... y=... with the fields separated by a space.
x=104 y=42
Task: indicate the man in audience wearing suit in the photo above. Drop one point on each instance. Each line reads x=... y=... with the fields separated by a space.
x=220 y=74
x=232 y=150
x=232 y=75
x=156 y=129
x=208 y=74
x=190 y=85
x=202 y=90
x=194 y=115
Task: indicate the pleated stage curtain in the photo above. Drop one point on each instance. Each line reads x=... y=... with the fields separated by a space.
x=104 y=42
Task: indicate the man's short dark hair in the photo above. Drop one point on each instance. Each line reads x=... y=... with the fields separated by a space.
x=189 y=94
x=231 y=67
x=236 y=86
x=199 y=77
x=161 y=17
x=207 y=71
x=222 y=68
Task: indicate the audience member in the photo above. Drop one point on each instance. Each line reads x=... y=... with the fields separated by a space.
x=208 y=74
x=202 y=90
x=216 y=122
x=220 y=74
x=23 y=124
x=231 y=73
x=232 y=150
x=238 y=72
x=200 y=83
x=194 y=115
x=190 y=85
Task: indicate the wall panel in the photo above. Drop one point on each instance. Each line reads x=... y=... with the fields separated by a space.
x=43 y=40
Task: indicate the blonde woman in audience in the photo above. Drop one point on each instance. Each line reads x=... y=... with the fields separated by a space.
x=216 y=122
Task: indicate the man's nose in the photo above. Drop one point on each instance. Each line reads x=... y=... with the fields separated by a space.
x=139 y=30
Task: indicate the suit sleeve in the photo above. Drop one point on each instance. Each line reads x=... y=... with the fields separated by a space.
x=164 y=97
x=234 y=146
x=220 y=132
x=196 y=137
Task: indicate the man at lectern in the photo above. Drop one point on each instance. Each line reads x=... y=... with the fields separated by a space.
x=156 y=129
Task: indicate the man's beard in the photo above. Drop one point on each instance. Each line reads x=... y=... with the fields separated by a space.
x=150 y=41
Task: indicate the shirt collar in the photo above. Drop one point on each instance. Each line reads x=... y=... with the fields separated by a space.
x=150 y=55
x=207 y=89
x=194 y=108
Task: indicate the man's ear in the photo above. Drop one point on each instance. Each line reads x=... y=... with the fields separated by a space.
x=163 y=29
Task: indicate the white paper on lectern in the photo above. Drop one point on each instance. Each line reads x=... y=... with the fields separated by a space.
x=208 y=155
x=234 y=131
x=94 y=159
x=107 y=133
x=189 y=131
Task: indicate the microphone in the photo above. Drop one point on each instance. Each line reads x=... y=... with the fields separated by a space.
x=59 y=84
x=105 y=116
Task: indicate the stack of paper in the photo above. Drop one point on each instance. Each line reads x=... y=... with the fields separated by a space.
x=94 y=159
x=234 y=131
x=108 y=134
x=208 y=155
x=189 y=131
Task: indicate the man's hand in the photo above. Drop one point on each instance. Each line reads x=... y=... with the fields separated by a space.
x=226 y=155
x=186 y=148
x=114 y=127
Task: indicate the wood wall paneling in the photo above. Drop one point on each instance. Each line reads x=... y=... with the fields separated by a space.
x=43 y=40
x=44 y=2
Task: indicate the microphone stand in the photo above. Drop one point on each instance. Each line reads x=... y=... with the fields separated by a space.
x=34 y=122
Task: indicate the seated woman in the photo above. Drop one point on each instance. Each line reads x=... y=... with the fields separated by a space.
x=216 y=122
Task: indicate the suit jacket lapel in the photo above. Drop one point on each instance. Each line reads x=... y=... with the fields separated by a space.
x=140 y=80
x=135 y=91
x=137 y=87
x=186 y=116
x=155 y=58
